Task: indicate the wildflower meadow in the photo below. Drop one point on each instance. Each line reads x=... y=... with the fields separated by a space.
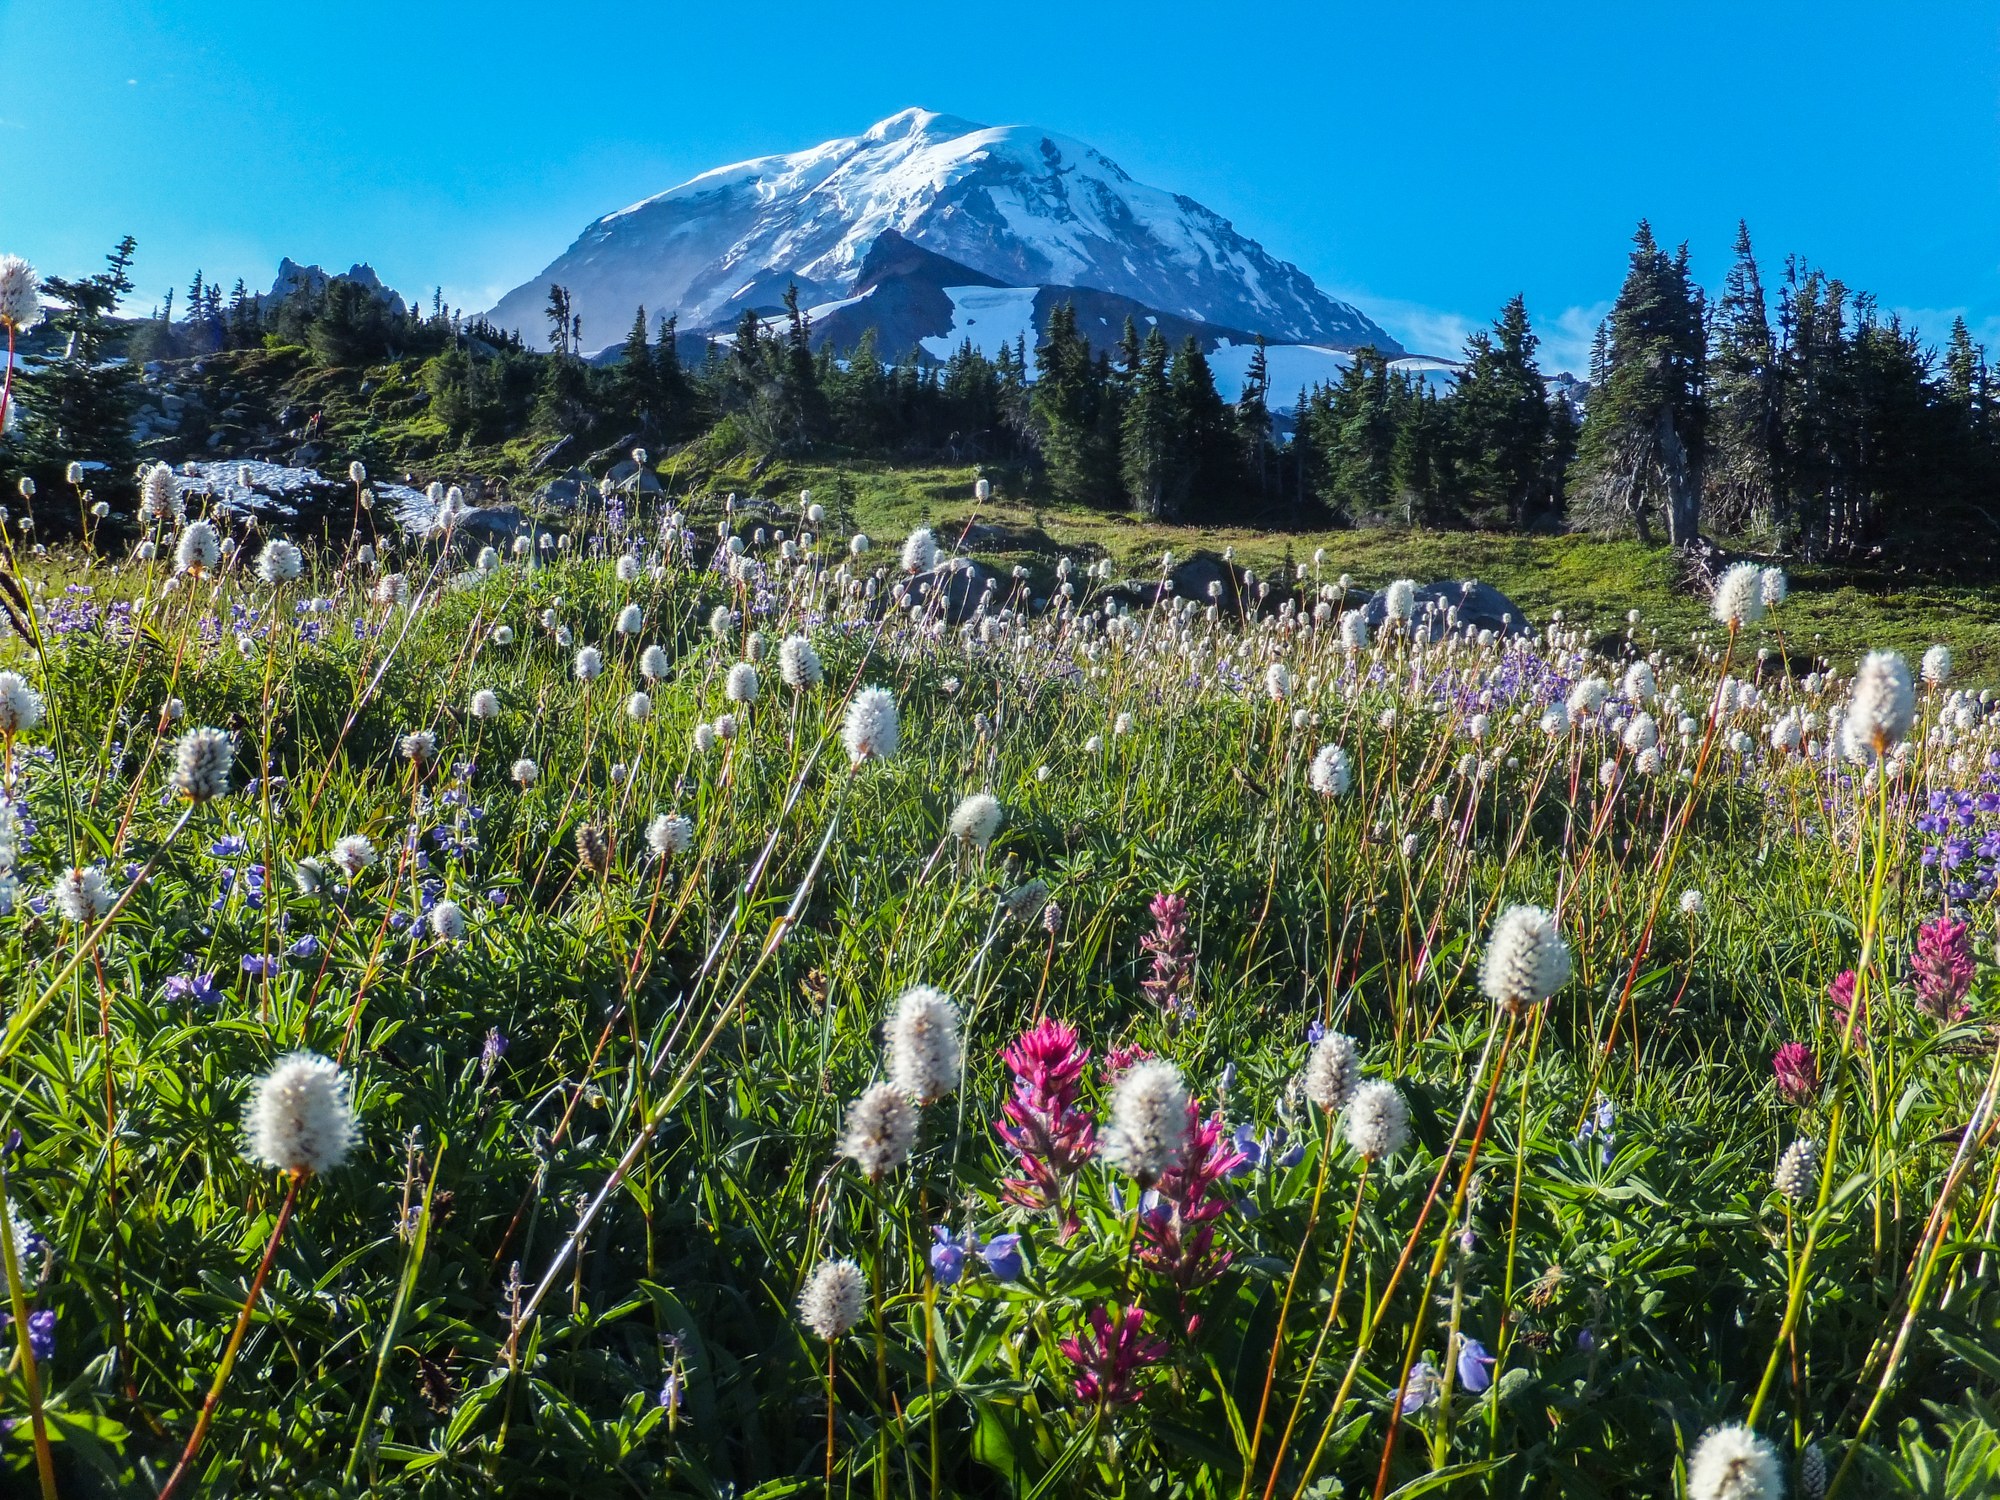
x=689 y=1001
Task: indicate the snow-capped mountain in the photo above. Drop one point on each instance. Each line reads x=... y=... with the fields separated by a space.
x=911 y=298
x=1017 y=204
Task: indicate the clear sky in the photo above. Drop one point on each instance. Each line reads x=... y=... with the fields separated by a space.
x=1426 y=160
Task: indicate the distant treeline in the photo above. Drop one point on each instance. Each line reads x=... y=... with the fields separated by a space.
x=1806 y=422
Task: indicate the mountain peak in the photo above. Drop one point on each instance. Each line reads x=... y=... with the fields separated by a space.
x=1017 y=205
x=915 y=121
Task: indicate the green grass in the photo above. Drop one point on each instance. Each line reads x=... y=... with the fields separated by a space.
x=684 y=1036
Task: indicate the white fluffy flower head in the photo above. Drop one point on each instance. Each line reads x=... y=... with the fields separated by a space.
x=1333 y=1069
x=669 y=834
x=1149 y=1120
x=798 y=664
x=834 y=1297
x=1526 y=958
x=201 y=764
x=20 y=704
x=880 y=1129
x=1883 y=706
x=1739 y=595
x=279 y=562
x=300 y=1118
x=20 y=294
x=920 y=552
x=1734 y=1463
x=872 y=728
x=1378 y=1121
x=1331 y=773
x=976 y=819
x=924 y=1052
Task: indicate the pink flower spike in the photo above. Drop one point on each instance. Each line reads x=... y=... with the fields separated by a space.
x=1110 y=1356
x=1797 y=1071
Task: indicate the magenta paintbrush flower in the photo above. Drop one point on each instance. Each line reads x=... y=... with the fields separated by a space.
x=1942 y=967
x=1797 y=1072
x=1841 y=995
x=1177 y=1218
x=1170 y=985
x=1110 y=1356
x=1049 y=1132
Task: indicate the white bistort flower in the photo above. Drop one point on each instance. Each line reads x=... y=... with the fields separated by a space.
x=1739 y=595
x=669 y=834
x=81 y=894
x=1883 y=706
x=920 y=552
x=639 y=707
x=201 y=764
x=741 y=684
x=448 y=921
x=1330 y=774
x=976 y=819
x=1149 y=1120
x=20 y=294
x=589 y=664
x=1526 y=958
x=20 y=705
x=798 y=664
x=653 y=664
x=198 y=549
x=1936 y=667
x=1378 y=1121
x=300 y=1118
x=835 y=1296
x=1734 y=1463
x=923 y=1047
x=1333 y=1070
x=279 y=562
x=353 y=854
x=486 y=704
x=525 y=773
x=880 y=1129
x=872 y=728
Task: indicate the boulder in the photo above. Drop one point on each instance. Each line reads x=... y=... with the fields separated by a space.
x=626 y=477
x=954 y=587
x=567 y=491
x=1447 y=606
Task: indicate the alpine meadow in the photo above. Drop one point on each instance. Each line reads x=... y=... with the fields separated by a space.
x=1005 y=852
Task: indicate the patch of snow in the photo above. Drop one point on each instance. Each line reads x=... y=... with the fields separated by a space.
x=992 y=317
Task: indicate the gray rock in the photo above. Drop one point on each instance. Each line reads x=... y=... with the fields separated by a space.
x=955 y=587
x=1447 y=606
x=626 y=477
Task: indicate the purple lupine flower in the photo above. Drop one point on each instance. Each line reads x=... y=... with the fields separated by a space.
x=947 y=1257
x=1475 y=1365
x=1002 y=1255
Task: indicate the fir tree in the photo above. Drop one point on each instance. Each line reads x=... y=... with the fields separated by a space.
x=78 y=404
x=1148 y=446
x=1209 y=472
x=1646 y=437
x=1743 y=395
x=1073 y=414
x=1253 y=421
x=1501 y=421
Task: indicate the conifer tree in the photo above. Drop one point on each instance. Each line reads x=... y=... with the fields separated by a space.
x=1646 y=437
x=1073 y=414
x=1743 y=396
x=1253 y=421
x=77 y=404
x=1501 y=420
x=1148 y=455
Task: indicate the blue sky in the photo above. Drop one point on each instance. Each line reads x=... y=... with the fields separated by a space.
x=1426 y=161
